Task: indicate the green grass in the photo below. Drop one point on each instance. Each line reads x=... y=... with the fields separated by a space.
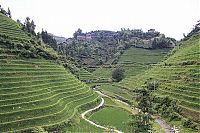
x=112 y=117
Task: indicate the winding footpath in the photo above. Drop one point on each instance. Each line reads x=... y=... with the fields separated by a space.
x=163 y=125
x=91 y=122
x=161 y=122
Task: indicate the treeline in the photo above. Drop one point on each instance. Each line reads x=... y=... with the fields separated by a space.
x=98 y=47
x=195 y=29
x=133 y=37
x=7 y=13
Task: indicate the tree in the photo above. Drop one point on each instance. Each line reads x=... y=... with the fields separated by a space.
x=78 y=32
x=198 y=24
x=118 y=74
x=29 y=26
x=143 y=118
x=140 y=123
x=9 y=13
x=144 y=100
x=33 y=27
x=143 y=124
x=48 y=39
x=2 y=10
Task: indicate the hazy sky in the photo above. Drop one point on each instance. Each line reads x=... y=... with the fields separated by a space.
x=63 y=17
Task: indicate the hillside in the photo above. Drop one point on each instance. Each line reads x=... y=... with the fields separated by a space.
x=134 y=61
x=100 y=47
x=86 y=76
x=35 y=91
x=177 y=78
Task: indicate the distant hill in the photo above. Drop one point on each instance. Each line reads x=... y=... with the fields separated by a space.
x=98 y=47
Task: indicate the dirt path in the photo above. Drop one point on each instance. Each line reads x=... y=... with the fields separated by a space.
x=159 y=120
x=91 y=122
x=163 y=125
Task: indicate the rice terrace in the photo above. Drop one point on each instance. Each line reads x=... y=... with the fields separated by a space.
x=134 y=68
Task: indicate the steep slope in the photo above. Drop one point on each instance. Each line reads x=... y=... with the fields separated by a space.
x=86 y=76
x=134 y=61
x=12 y=30
x=177 y=77
x=34 y=91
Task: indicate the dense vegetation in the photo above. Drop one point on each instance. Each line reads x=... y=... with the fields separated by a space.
x=48 y=39
x=118 y=74
x=99 y=47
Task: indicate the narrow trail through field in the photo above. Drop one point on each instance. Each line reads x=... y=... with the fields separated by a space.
x=163 y=125
x=160 y=121
x=91 y=122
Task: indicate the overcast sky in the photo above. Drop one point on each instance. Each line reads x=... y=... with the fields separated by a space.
x=63 y=17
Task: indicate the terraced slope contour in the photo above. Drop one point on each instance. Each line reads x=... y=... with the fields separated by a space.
x=84 y=75
x=34 y=91
x=12 y=30
x=177 y=77
x=134 y=61
x=137 y=60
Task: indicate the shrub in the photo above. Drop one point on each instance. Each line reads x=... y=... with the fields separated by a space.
x=39 y=130
x=118 y=74
x=189 y=124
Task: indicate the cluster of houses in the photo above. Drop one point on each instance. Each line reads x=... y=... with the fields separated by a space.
x=86 y=36
x=82 y=36
x=137 y=35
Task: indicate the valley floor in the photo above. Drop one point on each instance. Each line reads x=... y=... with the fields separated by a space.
x=160 y=126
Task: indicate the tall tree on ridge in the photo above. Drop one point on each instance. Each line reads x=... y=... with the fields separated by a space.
x=9 y=13
x=29 y=26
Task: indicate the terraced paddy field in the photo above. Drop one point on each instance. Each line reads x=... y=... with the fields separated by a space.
x=103 y=72
x=112 y=117
x=137 y=60
x=177 y=77
x=38 y=93
x=84 y=75
x=134 y=61
x=80 y=125
x=34 y=92
x=84 y=127
x=11 y=29
x=118 y=92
